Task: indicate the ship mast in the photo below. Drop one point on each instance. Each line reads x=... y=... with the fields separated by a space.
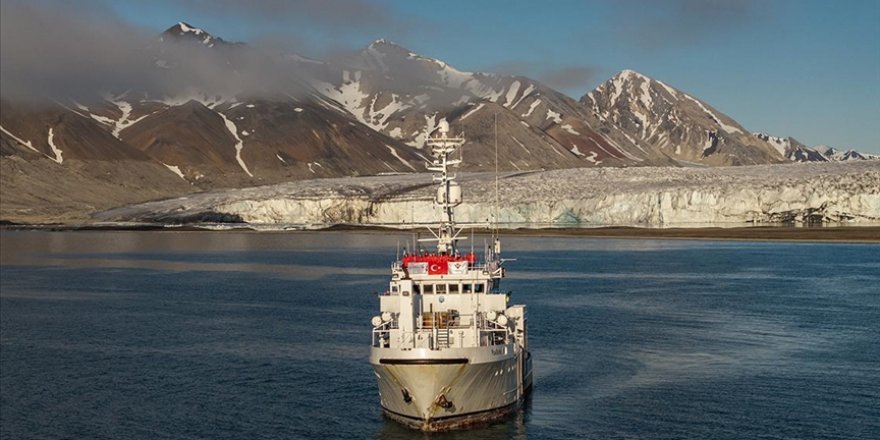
x=448 y=191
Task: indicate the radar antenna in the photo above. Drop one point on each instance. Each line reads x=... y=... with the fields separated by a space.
x=448 y=191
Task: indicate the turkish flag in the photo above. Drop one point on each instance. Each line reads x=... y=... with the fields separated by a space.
x=437 y=268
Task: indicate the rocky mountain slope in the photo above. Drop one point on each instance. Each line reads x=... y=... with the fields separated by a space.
x=405 y=95
x=228 y=115
x=676 y=123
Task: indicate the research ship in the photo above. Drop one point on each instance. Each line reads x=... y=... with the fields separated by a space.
x=447 y=349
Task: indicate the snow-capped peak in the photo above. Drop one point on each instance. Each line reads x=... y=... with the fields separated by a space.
x=836 y=154
x=782 y=145
x=384 y=45
x=383 y=51
x=183 y=30
x=794 y=151
x=628 y=74
x=383 y=48
x=187 y=28
x=380 y=42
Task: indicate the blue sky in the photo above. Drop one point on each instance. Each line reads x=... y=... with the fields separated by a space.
x=807 y=69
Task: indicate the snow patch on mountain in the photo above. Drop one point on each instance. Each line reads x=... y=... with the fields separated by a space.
x=669 y=90
x=645 y=95
x=521 y=145
x=51 y=140
x=485 y=91
x=124 y=120
x=175 y=169
x=781 y=145
x=183 y=98
x=394 y=153
x=452 y=77
x=472 y=111
x=714 y=117
x=187 y=28
x=570 y=129
x=197 y=33
x=239 y=144
x=525 y=94
x=103 y=119
x=348 y=94
x=21 y=141
x=353 y=99
x=511 y=94
x=431 y=124
x=378 y=118
x=531 y=109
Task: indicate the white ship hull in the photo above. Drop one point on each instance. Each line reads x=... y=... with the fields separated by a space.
x=455 y=388
x=447 y=349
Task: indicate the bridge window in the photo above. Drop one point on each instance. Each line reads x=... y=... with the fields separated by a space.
x=467 y=288
x=417 y=289
x=453 y=288
x=480 y=288
x=440 y=289
x=428 y=289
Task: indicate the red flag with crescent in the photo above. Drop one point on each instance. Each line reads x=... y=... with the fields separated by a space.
x=437 y=267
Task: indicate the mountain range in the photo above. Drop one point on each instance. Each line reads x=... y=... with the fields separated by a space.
x=233 y=116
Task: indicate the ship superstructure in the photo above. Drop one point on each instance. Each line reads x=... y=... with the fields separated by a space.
x=447 y=350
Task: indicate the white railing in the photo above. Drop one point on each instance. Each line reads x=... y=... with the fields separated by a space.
x=489 y=333
x=382 y=333
x=486 y=267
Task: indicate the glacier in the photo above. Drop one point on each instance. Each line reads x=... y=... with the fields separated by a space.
x=800 y=193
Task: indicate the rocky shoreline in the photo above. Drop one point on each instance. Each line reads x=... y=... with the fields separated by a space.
x=852 y=234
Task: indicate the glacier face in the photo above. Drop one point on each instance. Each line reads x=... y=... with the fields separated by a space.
x=791 y=193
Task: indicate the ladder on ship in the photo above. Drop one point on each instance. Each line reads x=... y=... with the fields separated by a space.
x=443 y=337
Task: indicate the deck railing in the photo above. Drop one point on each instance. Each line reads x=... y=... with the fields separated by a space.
x=439 y=337
x=484 y=267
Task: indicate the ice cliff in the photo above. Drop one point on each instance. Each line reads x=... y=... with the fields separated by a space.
x=791 y=193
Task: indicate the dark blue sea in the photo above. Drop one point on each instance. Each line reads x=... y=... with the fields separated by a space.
x=244 y=335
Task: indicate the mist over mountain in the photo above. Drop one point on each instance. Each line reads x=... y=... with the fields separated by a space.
x=126 y=116
x=63 y=53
